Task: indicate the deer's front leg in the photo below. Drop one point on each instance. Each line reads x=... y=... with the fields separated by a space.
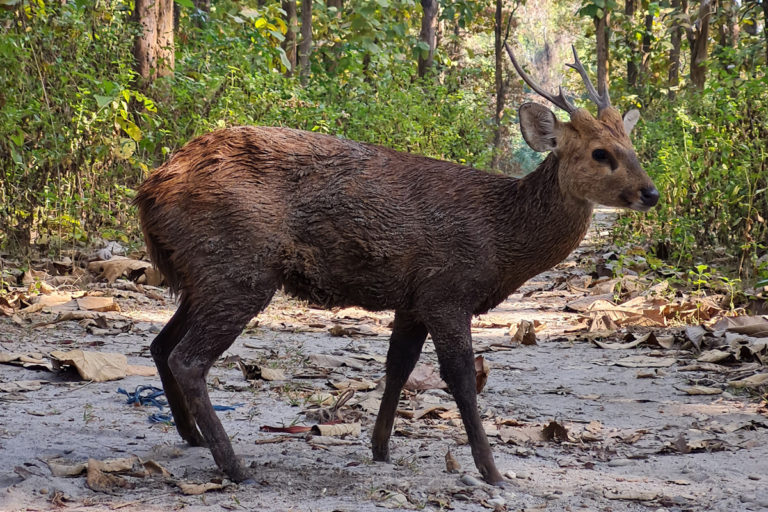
x=451 y=334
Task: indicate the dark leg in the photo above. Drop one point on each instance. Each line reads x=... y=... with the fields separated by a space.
x=213 y=329
x=161 y=349
x=453 y=343
x=408 y=336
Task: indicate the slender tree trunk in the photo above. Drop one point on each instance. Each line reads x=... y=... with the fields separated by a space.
x=428 y=34
x=647 y=33
x=145 y=45
x=202 y=5
x=338 y=4
x=674 y=52
x=166 y=60
x=698 y=37
x=202 y=12
x=305 y=46
x=500 y=89
x=289 y=43
x=629 y=10
x=729 y=28
x=602 y=34
x=455 y=47
x=765 y=28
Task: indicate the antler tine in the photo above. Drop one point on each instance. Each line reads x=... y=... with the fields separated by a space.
x=602 y=101
x=559 y=101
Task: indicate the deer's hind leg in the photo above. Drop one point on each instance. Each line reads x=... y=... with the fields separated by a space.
x=214 y=323
x=161 y=349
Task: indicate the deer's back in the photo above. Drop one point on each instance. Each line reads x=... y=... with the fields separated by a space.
x=334 y=221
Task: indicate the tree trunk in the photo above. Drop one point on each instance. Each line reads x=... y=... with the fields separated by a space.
x=428 y=34
x=145 y=45
x=602 y=34
x=749 y=25
x=500 y=89
x=202 y=5
x=647 y=33
x=153 y=47
x=629 y=10
x=729 y=28
x=305 y=46
x=698 y=37
x=166 y=59
x=338 y=4
x=674 y=51
x=765 y=28
x=289 y=43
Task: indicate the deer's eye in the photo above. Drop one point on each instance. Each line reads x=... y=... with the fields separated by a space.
x=604 y=157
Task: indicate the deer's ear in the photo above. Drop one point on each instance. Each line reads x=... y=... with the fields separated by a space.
x=539 y=126
x=630 y=120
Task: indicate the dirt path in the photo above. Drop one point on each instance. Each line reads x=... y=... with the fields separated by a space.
x=633 y=438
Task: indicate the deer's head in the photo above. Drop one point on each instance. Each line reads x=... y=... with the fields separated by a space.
x=597 y=162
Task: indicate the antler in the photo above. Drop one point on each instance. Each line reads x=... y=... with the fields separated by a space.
x=559 y=101
x=603 y=101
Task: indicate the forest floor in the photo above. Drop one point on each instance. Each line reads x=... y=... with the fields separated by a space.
x=616 y=407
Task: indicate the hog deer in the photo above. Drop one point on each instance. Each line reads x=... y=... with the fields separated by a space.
x=238 y=213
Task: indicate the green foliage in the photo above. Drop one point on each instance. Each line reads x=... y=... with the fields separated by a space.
x=707 y=154
x=79 y=131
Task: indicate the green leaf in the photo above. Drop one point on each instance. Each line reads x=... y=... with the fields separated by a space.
x=589 y=11
x=102 y=101
x=18 y=138
x=284 y=59
x=188 y=4
x=130 y=128
x=125 y=149
x=16 y=157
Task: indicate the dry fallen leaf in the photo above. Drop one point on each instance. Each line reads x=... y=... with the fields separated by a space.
x=95 y=366
x=451 y=464
x=21 y=385
x=424 y=377
x=701 y=390
x=65 y=468
x=756 y=326
x=645 y=362
x=325 y=361
x=101 y=304
x=755 y=381
x=716 y=356
x=525 y=333
x=140 y=370
x=433 y=411
x=356 y=384
x=521 y=435
x=154 y=468
x=191 y=489
x=554 y=431
x=481 y=373
x=118 y=266
x=99 y=481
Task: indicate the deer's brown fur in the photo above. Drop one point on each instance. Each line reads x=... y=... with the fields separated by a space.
x=238 y=213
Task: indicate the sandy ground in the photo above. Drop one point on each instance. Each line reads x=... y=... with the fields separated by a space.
x=635 y=440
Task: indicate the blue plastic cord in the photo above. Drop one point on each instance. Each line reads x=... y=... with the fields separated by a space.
x=149 y=395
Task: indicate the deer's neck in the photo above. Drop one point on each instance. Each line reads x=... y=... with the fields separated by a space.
x=544 y=223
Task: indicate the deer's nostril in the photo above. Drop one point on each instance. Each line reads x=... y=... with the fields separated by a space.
x=649 y=196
